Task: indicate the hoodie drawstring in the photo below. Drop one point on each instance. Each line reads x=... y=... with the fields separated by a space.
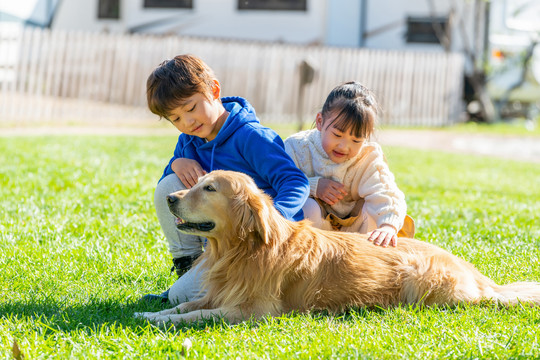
x=186 y=144
x=212 y=158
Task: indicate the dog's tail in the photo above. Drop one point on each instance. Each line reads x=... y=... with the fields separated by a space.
x=515 y=293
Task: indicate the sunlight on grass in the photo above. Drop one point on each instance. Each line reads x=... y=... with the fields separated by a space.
x=81 y=244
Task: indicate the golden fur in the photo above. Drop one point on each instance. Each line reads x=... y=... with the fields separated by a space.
x=258 y=263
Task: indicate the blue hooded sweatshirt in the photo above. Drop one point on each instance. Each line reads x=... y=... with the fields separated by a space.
x=243 y=144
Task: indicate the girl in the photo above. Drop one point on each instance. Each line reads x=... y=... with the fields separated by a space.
x=351 y=186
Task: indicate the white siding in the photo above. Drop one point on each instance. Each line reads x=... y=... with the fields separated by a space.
x=208 y=18
x=343 y=23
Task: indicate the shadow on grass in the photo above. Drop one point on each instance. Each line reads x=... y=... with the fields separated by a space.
x=53 y=316
x=92 y=314
x=97 y=314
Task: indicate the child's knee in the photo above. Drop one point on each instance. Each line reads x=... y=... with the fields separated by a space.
x=312 y=212
x=311 y=209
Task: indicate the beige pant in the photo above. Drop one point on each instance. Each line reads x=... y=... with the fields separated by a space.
x=363 y=223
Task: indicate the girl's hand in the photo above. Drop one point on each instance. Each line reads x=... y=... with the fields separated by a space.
x=188 y=171
x=383 y=236
x=330 y=191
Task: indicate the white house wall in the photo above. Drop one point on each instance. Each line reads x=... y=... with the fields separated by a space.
x=211 y=18
x=81 y=15
x=326 y=22
x=395 y=12
x=343 y=26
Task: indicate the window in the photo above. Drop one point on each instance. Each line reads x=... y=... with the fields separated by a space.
x=422 y=29
x=272 y=5
x=109 y=9
x=185 y=4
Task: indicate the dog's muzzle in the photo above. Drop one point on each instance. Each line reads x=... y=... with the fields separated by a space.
x=187 y=226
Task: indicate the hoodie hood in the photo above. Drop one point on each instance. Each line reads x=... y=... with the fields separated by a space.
x=240 y=113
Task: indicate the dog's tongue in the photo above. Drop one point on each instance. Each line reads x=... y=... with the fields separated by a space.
x=178 y=221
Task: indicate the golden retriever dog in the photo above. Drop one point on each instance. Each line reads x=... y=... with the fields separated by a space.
x=258 y=263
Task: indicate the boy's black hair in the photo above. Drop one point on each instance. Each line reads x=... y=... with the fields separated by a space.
x=175 y=80
x=352 y=107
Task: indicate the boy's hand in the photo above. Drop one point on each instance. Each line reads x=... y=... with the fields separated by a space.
x=330 y=191
x=188 y=171
x=383 y=236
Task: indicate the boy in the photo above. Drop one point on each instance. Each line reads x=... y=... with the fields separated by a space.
x=216 y=134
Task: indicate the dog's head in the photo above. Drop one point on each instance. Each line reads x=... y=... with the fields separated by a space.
x=223 y=204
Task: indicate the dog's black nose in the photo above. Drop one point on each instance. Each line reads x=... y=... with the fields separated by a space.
x=171 y=199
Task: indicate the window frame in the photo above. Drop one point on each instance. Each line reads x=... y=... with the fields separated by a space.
x=271 y=5
x=423 y=23
x=168 y=4
x=106 y=11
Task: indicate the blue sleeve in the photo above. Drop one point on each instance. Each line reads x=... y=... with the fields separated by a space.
x=178 y=153
x=264 y=151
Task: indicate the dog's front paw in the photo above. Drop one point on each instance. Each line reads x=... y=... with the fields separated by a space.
x=184 y=308
x=146 y=315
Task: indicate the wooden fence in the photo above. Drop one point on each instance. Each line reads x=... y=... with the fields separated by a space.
x=57 y=76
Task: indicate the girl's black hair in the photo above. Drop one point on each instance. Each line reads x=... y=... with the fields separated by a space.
x=352 y=107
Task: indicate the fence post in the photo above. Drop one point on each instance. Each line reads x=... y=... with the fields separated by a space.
x=306 y=73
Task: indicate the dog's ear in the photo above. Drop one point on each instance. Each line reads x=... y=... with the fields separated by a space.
x=254 y=213
x=260 y=206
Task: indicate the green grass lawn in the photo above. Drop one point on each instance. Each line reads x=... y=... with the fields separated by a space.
x=80 y=244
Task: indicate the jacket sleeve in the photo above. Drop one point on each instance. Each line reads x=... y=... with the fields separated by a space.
x=178 y=153
x=264 y=151
x=385 y=202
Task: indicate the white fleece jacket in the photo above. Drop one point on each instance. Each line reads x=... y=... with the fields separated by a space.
x=365 y=176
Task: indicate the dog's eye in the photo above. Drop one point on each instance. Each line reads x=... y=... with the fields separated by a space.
x=209 y=188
